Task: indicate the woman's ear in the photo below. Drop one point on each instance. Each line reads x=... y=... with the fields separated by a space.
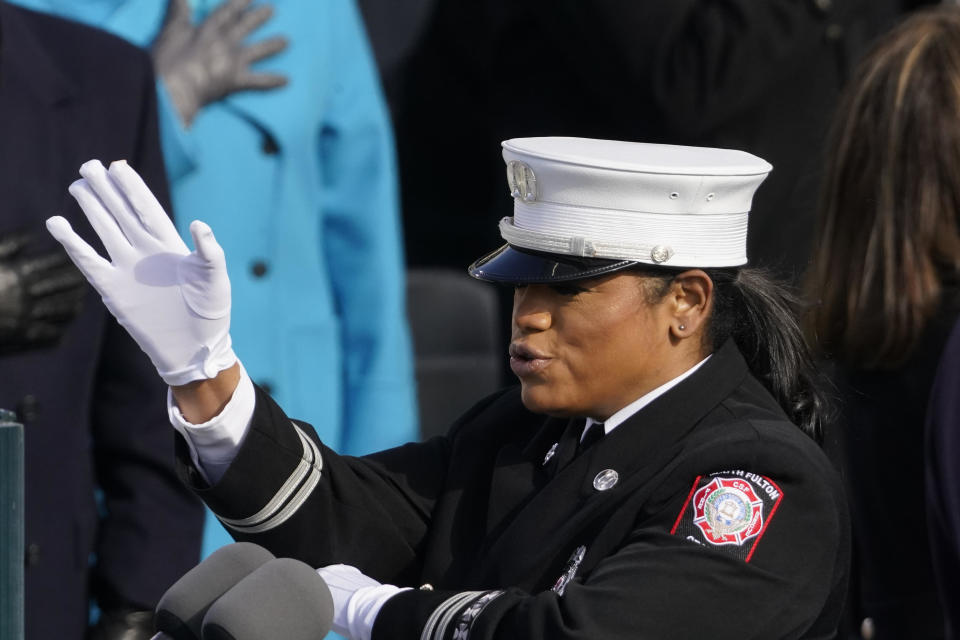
x=691 y=296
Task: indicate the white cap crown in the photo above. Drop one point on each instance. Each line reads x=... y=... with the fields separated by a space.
x=653 y=203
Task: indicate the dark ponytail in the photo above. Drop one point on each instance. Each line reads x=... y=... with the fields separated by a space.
x=761 y=317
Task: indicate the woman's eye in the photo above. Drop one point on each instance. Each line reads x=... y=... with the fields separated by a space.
x=567 y=289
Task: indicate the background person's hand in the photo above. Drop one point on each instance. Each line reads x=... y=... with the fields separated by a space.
x=123 y=624
x=40 y=294
x=174 y=302
x=200 y=64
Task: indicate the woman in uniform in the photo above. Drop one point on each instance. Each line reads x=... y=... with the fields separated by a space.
x=654 y=475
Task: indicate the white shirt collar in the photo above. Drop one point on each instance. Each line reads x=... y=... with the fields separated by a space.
x=620 y=416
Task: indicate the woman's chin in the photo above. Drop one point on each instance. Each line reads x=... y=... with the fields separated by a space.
x=539 y=398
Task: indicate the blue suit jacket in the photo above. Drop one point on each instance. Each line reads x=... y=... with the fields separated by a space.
x=93 y=406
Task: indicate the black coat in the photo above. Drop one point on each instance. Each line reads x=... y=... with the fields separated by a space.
x=557 y=546
x=882 y=429
x=93 y=406
x=942 y=481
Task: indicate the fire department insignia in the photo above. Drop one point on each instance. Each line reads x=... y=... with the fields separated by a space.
x=729 y=510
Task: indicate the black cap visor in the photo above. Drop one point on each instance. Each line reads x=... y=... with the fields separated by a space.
x=523 y=266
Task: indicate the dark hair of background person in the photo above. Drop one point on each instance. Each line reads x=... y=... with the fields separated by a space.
x=761 y=316
x=888 y=232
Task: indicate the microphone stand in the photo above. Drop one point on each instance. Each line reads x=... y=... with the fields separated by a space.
x=11 y=527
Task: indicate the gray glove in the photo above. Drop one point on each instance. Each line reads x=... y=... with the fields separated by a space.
x=39 y=295
x=202 y=64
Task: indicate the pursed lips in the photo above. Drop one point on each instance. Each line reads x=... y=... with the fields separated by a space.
x=525 y=361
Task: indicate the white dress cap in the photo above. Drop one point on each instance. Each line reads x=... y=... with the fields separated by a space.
x=653 y=203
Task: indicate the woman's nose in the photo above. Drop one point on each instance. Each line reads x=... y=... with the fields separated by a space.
x=530 y=311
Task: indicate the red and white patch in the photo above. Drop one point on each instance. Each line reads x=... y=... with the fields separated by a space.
x=730 y=510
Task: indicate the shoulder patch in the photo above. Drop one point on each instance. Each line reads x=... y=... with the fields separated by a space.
x=729 y=510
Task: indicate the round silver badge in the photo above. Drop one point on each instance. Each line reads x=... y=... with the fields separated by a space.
x=605 y=480
x=660 y=253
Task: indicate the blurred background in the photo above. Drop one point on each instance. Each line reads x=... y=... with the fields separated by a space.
x=349 y=158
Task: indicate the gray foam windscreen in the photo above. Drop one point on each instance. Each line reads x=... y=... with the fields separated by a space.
x=284 y=598
x=182 y=608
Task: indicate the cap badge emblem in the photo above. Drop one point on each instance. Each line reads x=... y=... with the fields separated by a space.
x=661 y=253
x=522 y=181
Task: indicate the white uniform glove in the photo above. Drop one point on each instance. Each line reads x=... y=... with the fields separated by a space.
x=357 y=599
x=175 y=304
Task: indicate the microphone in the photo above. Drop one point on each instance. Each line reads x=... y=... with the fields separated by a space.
x=179 y=614
x=285 y=598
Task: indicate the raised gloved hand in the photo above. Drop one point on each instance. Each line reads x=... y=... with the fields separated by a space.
x=357 y=599
x=174 y=302
x=202 y=64
x=39 y=295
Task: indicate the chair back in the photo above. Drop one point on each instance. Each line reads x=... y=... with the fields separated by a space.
x=457 y=348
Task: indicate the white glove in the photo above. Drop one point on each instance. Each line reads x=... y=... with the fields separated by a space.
x=175 y=304
x=357 y=599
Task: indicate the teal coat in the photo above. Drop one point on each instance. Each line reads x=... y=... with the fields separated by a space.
x=299 y=185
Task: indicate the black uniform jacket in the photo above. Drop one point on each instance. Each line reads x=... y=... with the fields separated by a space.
x=92 y=406
x=706 y=513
